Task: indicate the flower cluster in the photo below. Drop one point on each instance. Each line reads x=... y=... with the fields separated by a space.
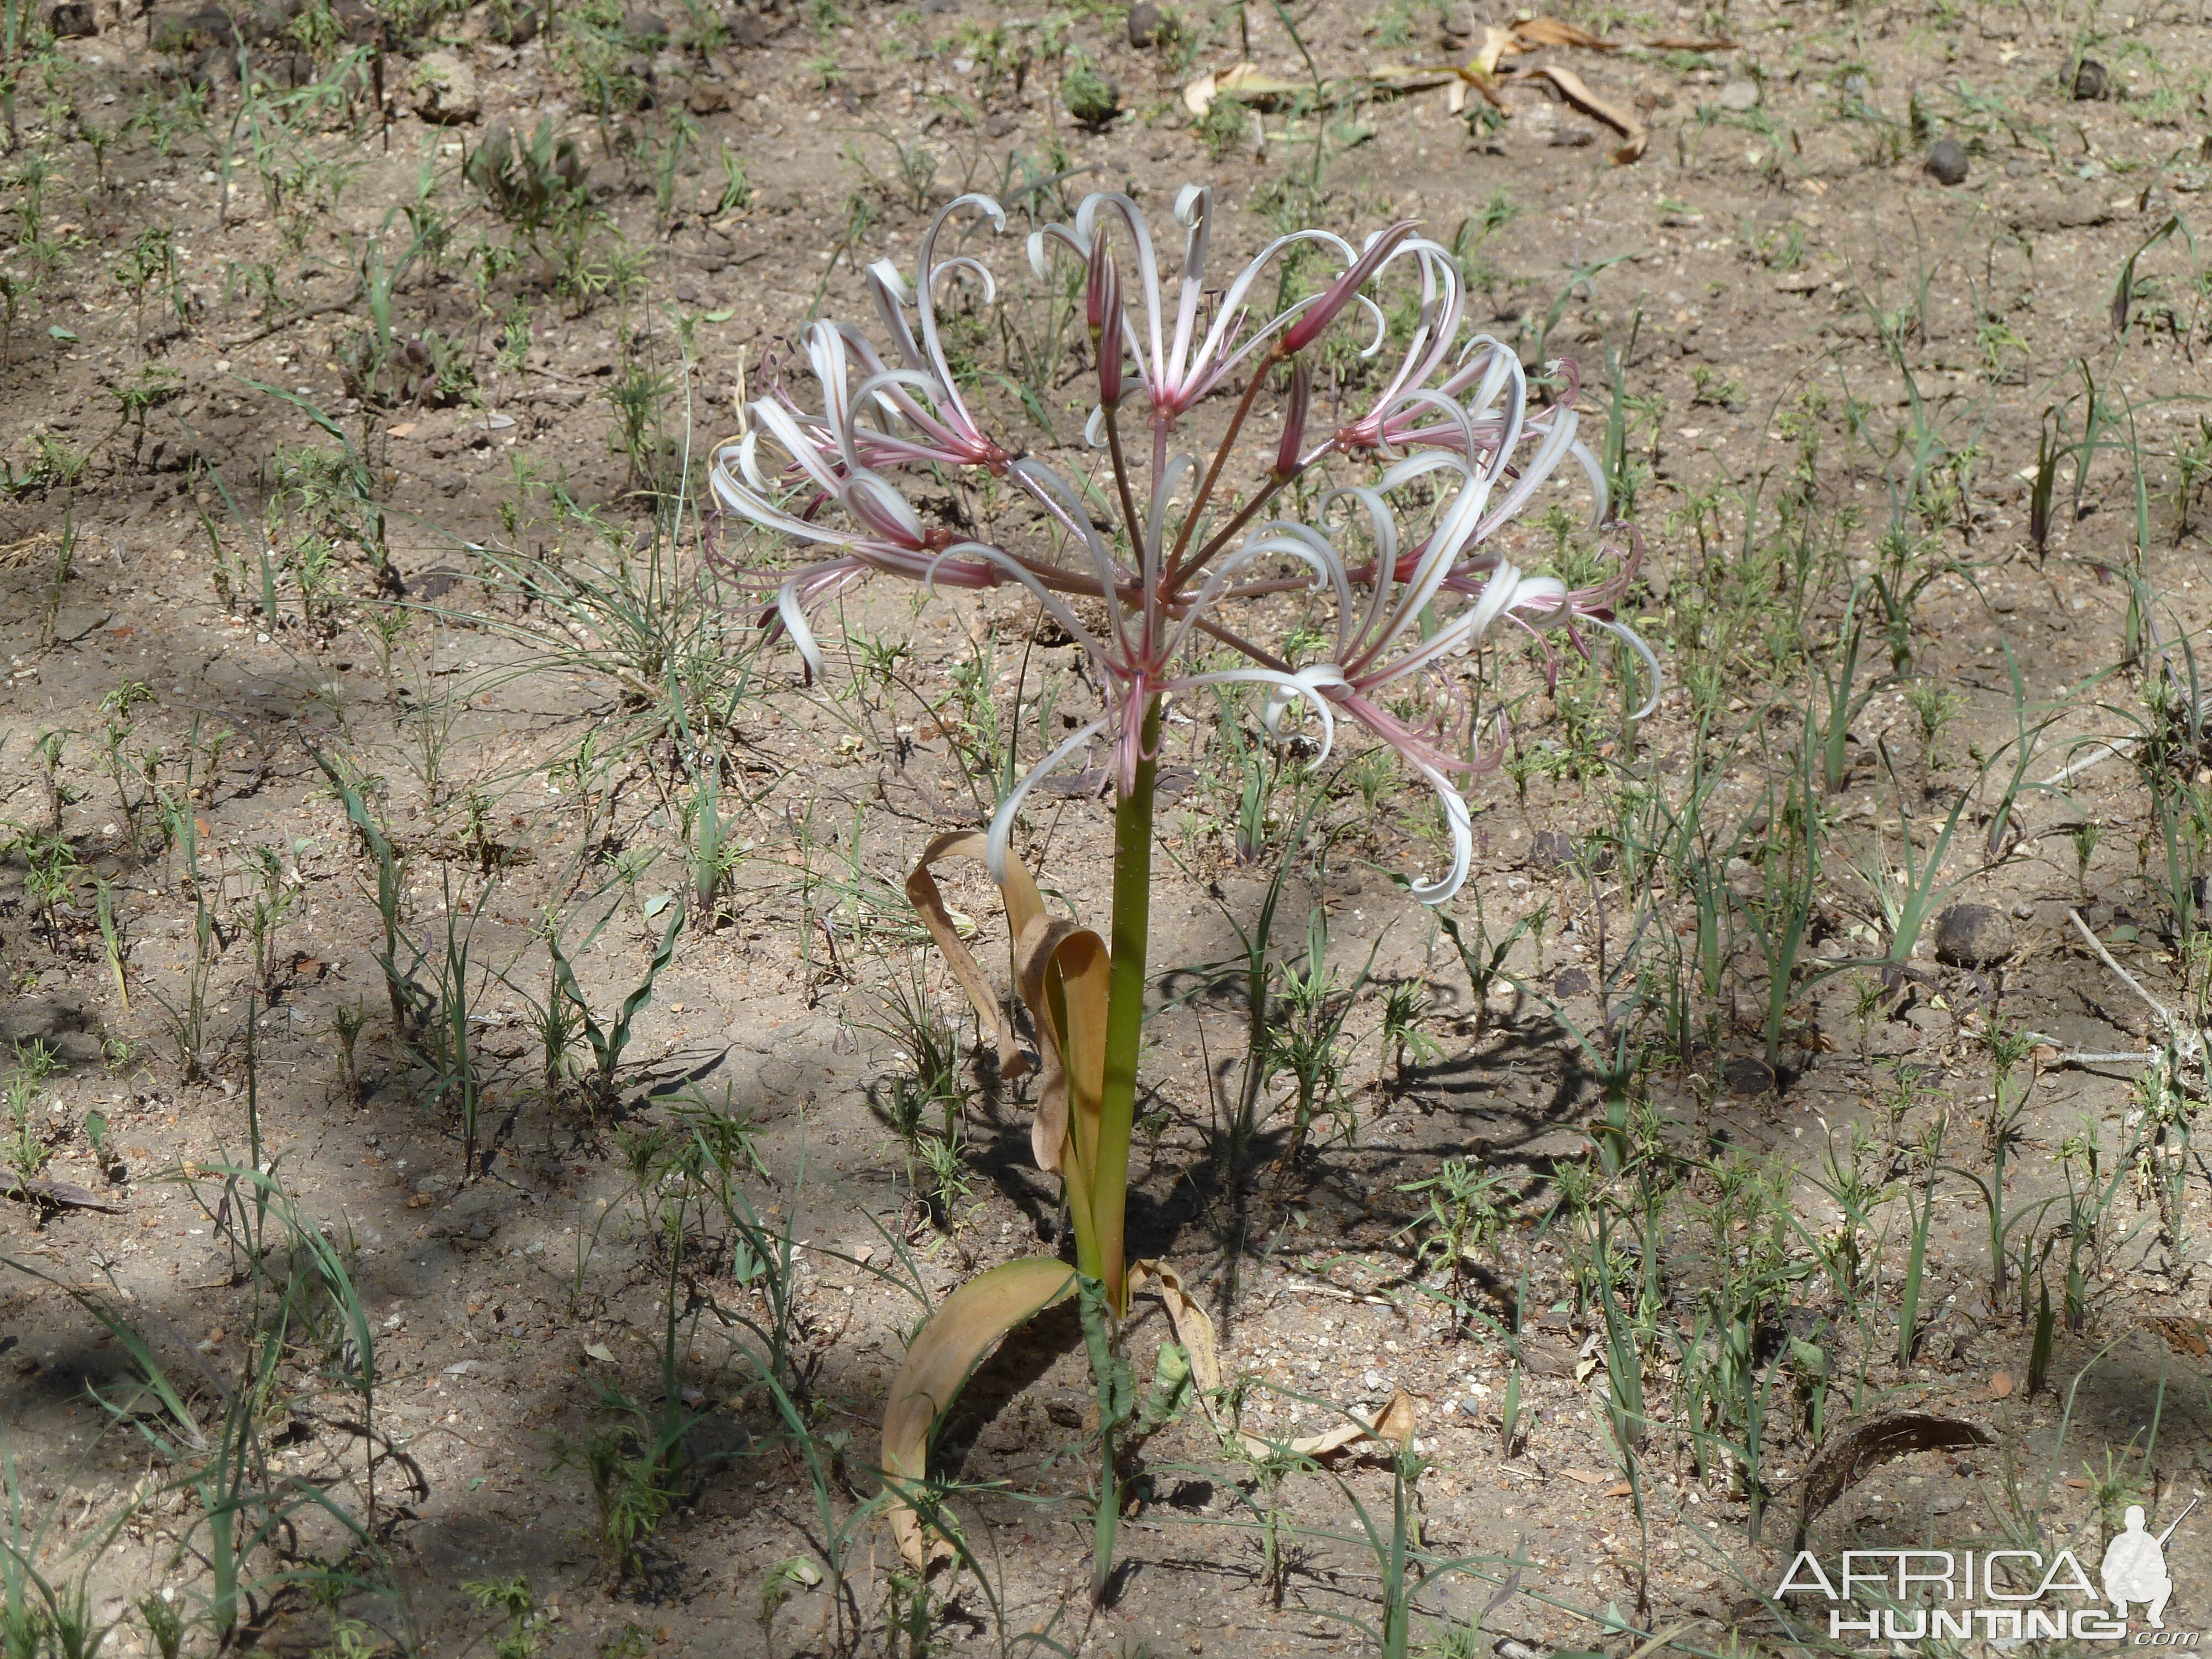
x=1154 y=589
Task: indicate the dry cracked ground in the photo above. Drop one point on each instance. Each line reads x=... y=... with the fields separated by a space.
x=360 y=369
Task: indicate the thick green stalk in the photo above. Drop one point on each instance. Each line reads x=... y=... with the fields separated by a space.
x=1125 y=1014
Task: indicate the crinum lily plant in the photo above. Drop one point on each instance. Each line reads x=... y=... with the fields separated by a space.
x=1159 y=564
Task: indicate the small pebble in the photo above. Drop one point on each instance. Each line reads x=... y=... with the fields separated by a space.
x=1947 y=162
x=1145 y=21
x=1972 y=936
x=2090 y=81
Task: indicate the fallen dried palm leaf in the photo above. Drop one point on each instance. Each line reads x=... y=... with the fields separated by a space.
x=1496 y=43
x=1849 y=1456
x=1409 y=77
x=1456 y=77
x=1576 y=92
x=1528 y=35
x=1193 y=1329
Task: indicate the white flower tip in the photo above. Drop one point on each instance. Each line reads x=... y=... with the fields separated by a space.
x=1463 y=836
x=976 y=199
x=1190 y=204
x=794 y=617
x=887 y=273
x=1094 y=429
x=1036 y=256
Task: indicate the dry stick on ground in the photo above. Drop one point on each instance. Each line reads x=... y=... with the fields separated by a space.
x=360 y=289
x=2185 y=1039
x=281 y=324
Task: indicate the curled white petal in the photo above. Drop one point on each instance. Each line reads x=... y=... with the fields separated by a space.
x=1462 y=839
x=991 y=210
x=1002 y=821
x=1055 y=604
x=962 y=263
x=886 y=271
x=1300 y=542
x=1595 y=473
x=1381 y=325
x=1634 y=641
x=794 y=617
x=1303 y=686
x=1094 y=429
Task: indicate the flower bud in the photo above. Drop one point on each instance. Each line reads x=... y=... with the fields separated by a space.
x=1322 y=312
x=1102 y=307
x=1295 y=405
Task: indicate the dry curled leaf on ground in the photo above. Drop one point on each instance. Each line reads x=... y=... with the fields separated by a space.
x=1572 y=88
x=1534 y=32
x=1393 y=1425
x=1245 y=83
x=1847 y=1458
x=64 y=1195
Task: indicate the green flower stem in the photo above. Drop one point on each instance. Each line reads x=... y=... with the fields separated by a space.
x=1125 y=1014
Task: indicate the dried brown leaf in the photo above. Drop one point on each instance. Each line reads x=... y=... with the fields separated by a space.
x=1550 y=31
x=1022 y=901
x=1063 y=972
x=2185 y=1336
x=64 y=1195
x=1394 y=1424
x=1576 y=92
x=1245 y=83
x=972 y=1323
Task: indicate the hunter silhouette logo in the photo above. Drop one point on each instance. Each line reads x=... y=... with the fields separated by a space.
x=1900 y=1595
x=2134 y=1567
